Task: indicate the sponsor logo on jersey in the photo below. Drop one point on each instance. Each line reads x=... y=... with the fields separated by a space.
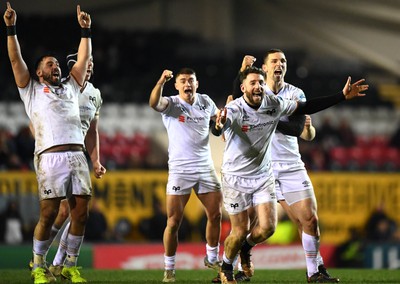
x=271 y=112
x=181 y=118
x=46 y=90
x=247 y=128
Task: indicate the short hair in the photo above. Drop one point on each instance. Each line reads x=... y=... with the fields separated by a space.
x=272 y=51
x=41 y=58
x=251 y=70
x=186 y=71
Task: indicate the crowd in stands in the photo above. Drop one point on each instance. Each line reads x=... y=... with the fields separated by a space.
x=341 y=149
x=336 y=147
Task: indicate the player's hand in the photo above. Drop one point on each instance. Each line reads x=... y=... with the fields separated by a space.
x=10 y=16
x=99 y=170
x=248 y=61
x=84 y=19
x=165 y=77
x=351 y=91
x=307 y=123
x=221 y=118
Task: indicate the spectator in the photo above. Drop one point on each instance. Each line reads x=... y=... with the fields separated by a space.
x=328 y=135
x=11 y=224
x=380 y=227
x=350 y=254
x=96 y=227
x=153 y=228
x=346 y=134
x=25 y=145
x=9 y=160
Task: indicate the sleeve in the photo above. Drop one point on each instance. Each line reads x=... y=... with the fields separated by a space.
x=99 y=102
x=293 y=127
x=236 y=91
x=318 y=104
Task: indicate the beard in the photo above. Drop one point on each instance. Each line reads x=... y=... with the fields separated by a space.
x=51 y=80
x=254 y=99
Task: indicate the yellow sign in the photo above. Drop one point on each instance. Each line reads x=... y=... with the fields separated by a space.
x=345 y=200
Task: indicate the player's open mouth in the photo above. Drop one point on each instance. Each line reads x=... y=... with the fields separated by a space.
x=188 y=92
x=278 y=72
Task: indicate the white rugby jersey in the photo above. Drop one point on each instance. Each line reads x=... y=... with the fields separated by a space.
x=54 y=113
x=188 y=134
x=285 y=148
x=90 y=102
x=248 y=138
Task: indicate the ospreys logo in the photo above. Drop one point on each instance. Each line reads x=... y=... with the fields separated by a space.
x=234 y=205
x=92 y=99
x=47 y=192
x=176 y=188
x=271 y=112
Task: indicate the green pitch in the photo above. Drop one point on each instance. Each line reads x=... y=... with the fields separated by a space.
x=20 y=276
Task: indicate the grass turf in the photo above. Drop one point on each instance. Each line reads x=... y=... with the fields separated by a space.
x=19 y=276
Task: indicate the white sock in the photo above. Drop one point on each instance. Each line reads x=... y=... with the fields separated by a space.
x=169 y=262
x=212 y=253
x=311 y=248
x=61 y=254
x=73 y=247
x=40 y=249
x=320 y=260
x=227 y=260
x=236 y=262
x=240 y=266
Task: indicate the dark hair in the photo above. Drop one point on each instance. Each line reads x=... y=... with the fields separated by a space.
x=186 y=71
x=251 y=70
x=272 y=51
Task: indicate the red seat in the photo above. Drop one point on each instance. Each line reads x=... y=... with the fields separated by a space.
x=358 y=157
x=339 y=158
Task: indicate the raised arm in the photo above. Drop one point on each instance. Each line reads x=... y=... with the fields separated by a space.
x=157 y=101
x=350 y=91
x=18 y=65
x=78 y=71
x=248 y=60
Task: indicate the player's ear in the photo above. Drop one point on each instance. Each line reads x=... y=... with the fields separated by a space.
x=242 y=87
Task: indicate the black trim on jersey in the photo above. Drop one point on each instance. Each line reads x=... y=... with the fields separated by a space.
x=293 y=127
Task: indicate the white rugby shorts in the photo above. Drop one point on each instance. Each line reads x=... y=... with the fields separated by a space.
x=182 y=184
x=62 y=174
x=292 y=182
x=242 y=193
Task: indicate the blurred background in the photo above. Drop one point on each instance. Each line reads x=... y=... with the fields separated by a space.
x=354 y=161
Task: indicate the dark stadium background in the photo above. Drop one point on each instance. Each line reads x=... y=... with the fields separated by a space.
x=134 y=41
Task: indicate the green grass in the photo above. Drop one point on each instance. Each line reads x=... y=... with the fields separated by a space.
x=19 y=276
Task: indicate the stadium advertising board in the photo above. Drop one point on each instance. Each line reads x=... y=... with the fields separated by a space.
x=345 y=200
